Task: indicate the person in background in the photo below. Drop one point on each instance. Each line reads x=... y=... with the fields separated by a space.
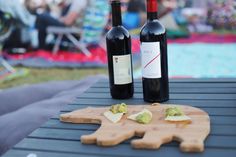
x=136 y=12
x=95 y=22
x=135 y=15
x=41 y=21
x=18 y=12
x=22 y=20
x=37 y=6
x=196 y=15
x=74 y=11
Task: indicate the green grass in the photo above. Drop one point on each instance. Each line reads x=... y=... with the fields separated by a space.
x=45 y=75
x=224 y=31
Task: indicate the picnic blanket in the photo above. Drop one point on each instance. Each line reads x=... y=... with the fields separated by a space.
x=200 y=60
x=24 y=109
x=64 y=59
x=45 y=59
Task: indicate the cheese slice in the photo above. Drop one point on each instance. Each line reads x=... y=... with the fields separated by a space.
x=114 y=118
x=134 y=116
x=178 y=118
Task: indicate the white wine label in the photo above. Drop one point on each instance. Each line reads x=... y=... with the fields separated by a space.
x=122 y=69
x=151 y=59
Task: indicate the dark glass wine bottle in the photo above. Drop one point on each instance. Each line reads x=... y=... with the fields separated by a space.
x=154 y=57
x=119 y=55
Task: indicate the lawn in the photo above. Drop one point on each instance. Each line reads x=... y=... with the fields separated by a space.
x=44 y=75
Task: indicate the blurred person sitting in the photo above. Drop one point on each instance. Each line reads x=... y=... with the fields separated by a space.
x=18 y=12
x=37 y=6
x=21 y=19
x=73 y=12
x=88 y=29
x=24 y=22
x=136 y=12
x=196 y=15
x=135 y=15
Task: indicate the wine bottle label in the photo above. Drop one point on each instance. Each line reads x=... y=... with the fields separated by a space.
x=122 y=69
x=151 y=59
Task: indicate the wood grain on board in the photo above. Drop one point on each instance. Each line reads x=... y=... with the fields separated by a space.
x=190 y=135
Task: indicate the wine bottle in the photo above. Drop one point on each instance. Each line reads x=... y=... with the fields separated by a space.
x=119 y=55
x=154 y=57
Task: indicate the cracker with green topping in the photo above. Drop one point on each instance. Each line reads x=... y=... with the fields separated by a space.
x=119 y=108
x=143 y=117
x=175 y=114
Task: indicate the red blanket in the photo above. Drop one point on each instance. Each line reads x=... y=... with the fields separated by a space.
x=99 y=54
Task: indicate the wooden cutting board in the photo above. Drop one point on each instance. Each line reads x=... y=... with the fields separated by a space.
x=190 y=135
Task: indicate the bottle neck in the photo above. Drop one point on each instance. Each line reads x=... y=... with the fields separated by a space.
x=116 y=13
x=152 y=6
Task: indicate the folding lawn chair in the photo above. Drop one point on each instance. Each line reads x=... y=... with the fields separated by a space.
x=94 y=22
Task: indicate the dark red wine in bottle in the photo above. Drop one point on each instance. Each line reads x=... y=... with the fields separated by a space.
x=154 y=57
x=119 y=55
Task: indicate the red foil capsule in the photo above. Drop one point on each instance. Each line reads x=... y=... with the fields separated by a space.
x=152 y=5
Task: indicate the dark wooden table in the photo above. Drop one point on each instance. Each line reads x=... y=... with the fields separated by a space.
x=216 y=96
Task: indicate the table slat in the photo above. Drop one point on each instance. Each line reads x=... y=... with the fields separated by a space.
x=120 y=150
x=180 y=85
x=25 y=153
x=72 y=134
x=172 y=96
x=187 y=80
x=195 y=90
